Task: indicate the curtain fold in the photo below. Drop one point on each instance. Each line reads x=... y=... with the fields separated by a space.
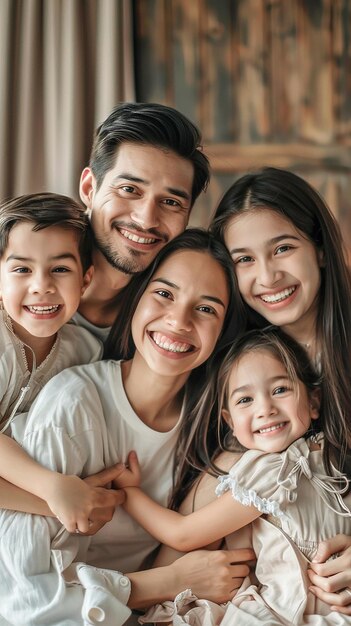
x=64 y=64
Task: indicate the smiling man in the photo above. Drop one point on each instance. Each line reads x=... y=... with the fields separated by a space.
x=146 y=170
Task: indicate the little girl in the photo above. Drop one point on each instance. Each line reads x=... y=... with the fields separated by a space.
x=268 y=397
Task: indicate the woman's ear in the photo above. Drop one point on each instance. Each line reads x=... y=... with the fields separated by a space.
x=227 y=418
x=315 y=403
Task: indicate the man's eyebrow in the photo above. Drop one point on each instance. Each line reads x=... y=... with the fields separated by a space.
x=160 y=279
x=57 y=257
x=136 y=179
x=269 y=242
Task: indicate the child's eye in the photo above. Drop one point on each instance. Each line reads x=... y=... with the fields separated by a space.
x=244 y=400
x=61 y=270
x=21 y=270
x=281 y=389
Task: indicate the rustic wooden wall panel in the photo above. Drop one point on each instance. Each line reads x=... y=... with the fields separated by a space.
x=267 y=81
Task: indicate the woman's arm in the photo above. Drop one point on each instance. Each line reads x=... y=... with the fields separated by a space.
x=214 y=575
x=331 y=577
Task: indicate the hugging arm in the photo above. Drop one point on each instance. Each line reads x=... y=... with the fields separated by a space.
x=182 y=532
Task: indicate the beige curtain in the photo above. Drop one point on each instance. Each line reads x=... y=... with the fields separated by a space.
x=63 y=65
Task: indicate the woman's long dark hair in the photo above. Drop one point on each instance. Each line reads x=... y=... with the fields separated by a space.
x=120 y=344
x=291 y=196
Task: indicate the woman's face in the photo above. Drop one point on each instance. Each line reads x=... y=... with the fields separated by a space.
x=180 y=315
x=277 y=267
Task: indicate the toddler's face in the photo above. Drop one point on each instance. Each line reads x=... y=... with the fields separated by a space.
x=265 y=411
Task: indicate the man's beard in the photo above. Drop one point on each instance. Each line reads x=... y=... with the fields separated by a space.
x=124 y=264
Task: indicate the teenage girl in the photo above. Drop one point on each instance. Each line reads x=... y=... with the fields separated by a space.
x=90 y=417
x=267 y=395
x=289 y=261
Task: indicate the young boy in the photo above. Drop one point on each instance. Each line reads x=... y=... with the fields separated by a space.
x=45 y=267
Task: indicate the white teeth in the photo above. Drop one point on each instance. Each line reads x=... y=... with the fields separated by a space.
x=43 y=309
x=135 y=238
x=278 y=297
x=275 y=427
x=171 y=346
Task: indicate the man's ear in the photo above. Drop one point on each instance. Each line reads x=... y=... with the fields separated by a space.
x=315 y=403
x=87 y=186
x=227 y=418
x=87 y=278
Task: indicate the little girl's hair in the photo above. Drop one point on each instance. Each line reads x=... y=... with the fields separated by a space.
x=292 y=197
x=205 y=434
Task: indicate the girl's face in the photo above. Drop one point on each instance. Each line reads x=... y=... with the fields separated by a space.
x=265 y=412
x=277 y=267
x=180 y=315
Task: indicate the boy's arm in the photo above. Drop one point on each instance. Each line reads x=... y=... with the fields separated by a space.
x=17 y=499
x=69 y=498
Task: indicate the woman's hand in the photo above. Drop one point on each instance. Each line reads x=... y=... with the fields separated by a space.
x=84 y=505
x=214 y=575
x=331 y=577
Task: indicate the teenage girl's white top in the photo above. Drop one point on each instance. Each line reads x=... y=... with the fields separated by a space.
x=80 y=423
x=19 y=386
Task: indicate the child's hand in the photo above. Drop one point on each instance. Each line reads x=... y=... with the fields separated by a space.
x=75 y=502
x=129 y=474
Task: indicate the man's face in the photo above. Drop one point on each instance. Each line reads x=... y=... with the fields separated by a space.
x=142 y=203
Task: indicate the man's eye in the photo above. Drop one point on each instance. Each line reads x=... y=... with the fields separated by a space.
x=61 y=270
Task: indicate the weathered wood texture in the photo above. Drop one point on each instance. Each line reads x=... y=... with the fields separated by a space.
x=267 y=81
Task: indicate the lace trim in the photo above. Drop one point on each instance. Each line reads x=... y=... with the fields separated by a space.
x=248 y=497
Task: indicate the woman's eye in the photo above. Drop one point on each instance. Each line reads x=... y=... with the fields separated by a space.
x=243 y=259
x=171 y=202
x=207 y=309
x=163 y=293
x=284 y=248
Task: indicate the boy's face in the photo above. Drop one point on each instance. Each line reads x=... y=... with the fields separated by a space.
x=41 y=279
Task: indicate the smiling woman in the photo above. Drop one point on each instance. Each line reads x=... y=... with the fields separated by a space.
x=172 y=319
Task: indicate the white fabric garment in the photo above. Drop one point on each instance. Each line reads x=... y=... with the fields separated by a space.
x=101 y=332
x=73 y=346
x=299 y=500
x=80 y=423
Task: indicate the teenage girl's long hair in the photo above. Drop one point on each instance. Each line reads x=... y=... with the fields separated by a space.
x=291 y=196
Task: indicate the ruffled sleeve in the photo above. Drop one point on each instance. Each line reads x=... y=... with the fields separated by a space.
x=269 y=481
x=253 y=482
